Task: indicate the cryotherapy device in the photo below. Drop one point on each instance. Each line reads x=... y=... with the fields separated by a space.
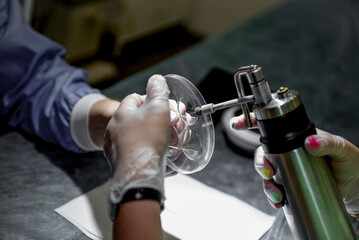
x=312 y=203
x=313 y=206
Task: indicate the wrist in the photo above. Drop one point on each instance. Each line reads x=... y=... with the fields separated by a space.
x=134 y=195
x=123 y=184
x=99 y=116
x=119 y=189
x=351 y=197
x=138 y=220
x=79 y=121
x=145 y=169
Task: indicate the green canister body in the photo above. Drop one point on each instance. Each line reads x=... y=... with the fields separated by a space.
x=313 y=206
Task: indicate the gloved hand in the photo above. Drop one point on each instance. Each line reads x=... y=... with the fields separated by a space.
x=344 y=161
x=137 y=138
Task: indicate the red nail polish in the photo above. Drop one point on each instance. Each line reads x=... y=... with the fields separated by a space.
x=313 y=142
x=237 y=125
x=278 y=205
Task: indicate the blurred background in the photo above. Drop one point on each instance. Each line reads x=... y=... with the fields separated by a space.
x=114 y=39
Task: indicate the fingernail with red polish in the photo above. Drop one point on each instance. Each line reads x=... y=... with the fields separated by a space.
x=313 y=142
x=278 y=205
x=236 y=125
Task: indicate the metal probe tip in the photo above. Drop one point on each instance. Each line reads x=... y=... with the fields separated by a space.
x=198 y=111
x=211 y=108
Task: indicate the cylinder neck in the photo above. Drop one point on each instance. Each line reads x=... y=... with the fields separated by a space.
x=254 y=75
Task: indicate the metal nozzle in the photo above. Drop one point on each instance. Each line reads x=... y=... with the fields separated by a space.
x=211 y=108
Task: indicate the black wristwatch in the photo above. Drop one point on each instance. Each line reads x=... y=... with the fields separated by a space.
x=136 y=194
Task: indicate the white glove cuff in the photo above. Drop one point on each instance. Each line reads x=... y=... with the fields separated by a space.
x=352 y=204
x=79 y=122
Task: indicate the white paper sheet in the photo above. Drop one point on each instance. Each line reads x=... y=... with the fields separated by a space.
x=192 y=211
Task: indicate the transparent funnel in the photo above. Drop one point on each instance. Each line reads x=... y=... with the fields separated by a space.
x=192 y=140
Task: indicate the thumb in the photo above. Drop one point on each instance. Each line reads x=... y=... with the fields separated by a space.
x=334 y=146
x=343 y=155
x=157 y=88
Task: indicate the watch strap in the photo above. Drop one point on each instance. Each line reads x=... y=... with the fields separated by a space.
x=134 y=195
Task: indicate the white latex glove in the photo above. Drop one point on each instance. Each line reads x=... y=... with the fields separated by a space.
x=137 y=138
x=344 y=161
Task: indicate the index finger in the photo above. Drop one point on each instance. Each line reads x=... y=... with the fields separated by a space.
x=239 y=123
x=132 y=102
x=262 y=164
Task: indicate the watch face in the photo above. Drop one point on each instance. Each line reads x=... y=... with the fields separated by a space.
x=192 y=143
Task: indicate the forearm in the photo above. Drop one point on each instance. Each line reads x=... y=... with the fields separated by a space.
x=138 y=220
x=41 y=89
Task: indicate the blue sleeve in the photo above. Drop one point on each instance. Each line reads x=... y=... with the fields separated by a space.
x=38 y=89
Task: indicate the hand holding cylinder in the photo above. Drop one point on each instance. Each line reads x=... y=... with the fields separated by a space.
x=309 y=189
x=343 y=158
